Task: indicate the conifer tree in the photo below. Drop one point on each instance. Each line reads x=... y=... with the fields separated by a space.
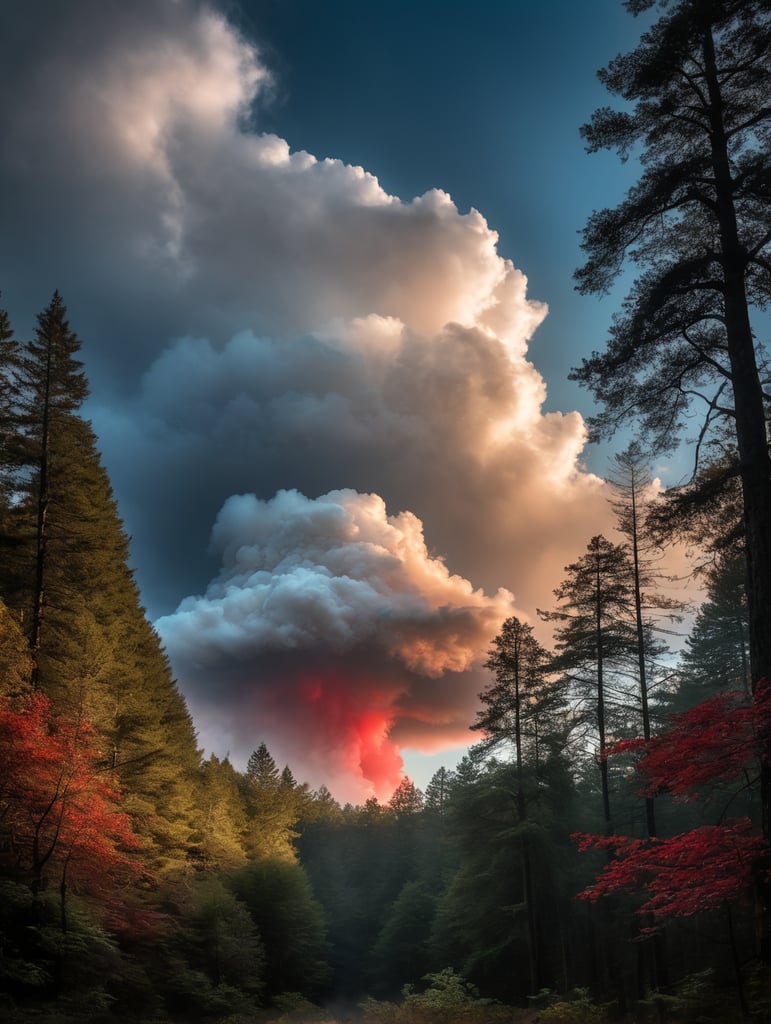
x=716 y=656
x=53 y=388
x=406 y=799
x=438 y=791
x=631 y=483
x=595 y=634
x=272 y=807
x=93 y=650
x=261 y=769
x=523 y=709
x=10 y=352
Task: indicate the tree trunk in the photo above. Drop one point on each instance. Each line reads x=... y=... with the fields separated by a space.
x=41 y=562
x=752 y=443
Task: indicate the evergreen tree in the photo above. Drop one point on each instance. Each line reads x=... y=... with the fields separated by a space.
x=631 y=483
x=406 y=799
x=438 y=791
x=519 y=709
x=221 y=821
x=68 y=582
x=273 y=808
x=261 y=769
x=595 y=635
x=716 y=656
x=290 y=922
x=15 y=661
x=52 y=389
x=481 y=927
x=10 y=355
x=401 y=952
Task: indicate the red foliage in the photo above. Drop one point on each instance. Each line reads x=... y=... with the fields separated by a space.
x=713 y=741
x=709 y=866
x=698 y=870
x=58 y=807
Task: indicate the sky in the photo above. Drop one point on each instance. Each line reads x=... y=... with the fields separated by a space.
x=320 y=257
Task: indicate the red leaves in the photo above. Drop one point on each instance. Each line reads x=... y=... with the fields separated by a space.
x=698 y=870
x=713 y=741
x=58 y=807
x=709 y=866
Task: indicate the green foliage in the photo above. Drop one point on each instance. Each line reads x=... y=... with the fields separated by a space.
x=221 y=819
x=401 y=952
x=447 y=999
x=274 y=804
x=406 y=799
x=580 y=1010
x=209 y=961
x=290 y=922
x=15 y=660
x=716 y=656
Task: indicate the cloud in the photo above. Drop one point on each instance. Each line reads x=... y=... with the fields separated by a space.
x=310 y=594
x=259 y=321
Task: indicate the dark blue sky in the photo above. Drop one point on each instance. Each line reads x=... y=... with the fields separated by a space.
x=484 y=100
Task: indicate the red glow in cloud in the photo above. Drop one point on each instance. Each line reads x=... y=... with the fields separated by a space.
x=358 y=732
x=332 y=634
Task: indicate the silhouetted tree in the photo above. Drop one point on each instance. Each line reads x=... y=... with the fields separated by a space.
x=698 y=223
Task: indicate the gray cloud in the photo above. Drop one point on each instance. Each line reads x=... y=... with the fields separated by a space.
x=332 y=622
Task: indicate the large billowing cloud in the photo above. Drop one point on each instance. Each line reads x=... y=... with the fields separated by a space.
x=335 y=614
x=261 y=321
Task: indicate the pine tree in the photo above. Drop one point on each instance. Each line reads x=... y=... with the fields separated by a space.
x=716 y=656
x=272 y=806
x=15 y=661
x=93 y=651
x=523 y=709
x=261 y=769
x=406 y=799
x=631 y=483
x=596 y=634
x=438 y=791
x=221 y=820
x=53 y=388
x=10 y=354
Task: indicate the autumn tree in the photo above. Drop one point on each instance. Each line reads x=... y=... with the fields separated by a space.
x=719 y=742
x=60 y=810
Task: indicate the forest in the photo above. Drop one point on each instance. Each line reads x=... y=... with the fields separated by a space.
x=603 y=852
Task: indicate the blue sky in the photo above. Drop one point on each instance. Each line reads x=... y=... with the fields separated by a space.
x=309 y=250
x=484 y=100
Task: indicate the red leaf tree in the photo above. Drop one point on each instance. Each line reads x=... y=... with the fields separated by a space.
x=707 y=867
x=59 y=809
